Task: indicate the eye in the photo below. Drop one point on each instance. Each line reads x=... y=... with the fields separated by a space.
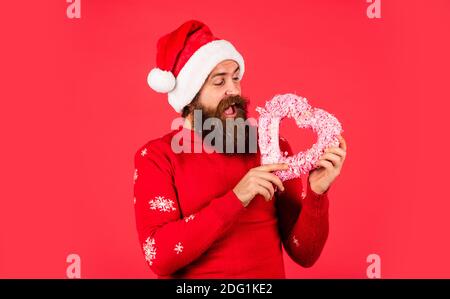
x=236 y=78
x=219 y=83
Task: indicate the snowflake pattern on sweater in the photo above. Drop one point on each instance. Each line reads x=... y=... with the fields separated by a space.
x=178 y=248
x=149 y=250
x=189 y=218
x=162 y=204
x=135 y=177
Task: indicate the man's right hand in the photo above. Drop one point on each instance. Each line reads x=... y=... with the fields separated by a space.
x=259 y=180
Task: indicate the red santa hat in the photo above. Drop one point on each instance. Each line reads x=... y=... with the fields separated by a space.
x=184 y=60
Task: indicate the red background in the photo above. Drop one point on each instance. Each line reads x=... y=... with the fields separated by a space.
x=75 y=106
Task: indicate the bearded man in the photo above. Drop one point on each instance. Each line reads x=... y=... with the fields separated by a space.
x=217 y=212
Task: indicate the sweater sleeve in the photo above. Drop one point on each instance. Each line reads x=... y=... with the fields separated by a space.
x=169 y=239
x=303 y=219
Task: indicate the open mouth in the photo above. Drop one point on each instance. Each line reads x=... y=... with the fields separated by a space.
x=230 y=111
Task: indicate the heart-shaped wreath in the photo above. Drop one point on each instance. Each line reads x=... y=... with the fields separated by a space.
x=290 y=105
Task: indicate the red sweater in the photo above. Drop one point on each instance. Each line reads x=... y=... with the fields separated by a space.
x=191 y=224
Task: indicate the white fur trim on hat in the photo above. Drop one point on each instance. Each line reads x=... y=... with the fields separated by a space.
x=196 y=70
x=160 y=80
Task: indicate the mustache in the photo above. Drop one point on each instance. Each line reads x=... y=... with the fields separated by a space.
x=240 y=105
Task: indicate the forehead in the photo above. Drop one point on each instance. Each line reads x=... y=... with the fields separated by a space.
x=226 y=66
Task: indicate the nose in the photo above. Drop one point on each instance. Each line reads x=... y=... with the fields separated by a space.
x=232 y=89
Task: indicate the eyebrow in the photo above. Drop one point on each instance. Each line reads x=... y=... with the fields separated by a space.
x=224 y=73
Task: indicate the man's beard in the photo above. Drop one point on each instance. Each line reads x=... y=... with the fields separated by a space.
x=236 y=134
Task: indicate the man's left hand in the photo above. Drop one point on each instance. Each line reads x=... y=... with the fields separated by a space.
x=330 y=164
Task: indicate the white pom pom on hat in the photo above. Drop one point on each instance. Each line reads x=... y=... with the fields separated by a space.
x=161 y=81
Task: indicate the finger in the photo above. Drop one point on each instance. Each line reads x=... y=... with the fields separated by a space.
x=272 y=167
x=326 y=164
x=333 y=158
x=263 y=191
x=270 y=177
x=337 y=150
x=267 y=185
x=342 y=143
